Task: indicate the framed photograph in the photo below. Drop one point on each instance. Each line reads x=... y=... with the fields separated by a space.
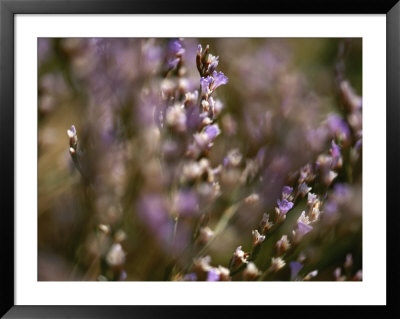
x=163 y=155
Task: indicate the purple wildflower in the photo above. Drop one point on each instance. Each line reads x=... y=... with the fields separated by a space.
x=213 y=65
x=176 y=48
x=335 y=152
x=303 y=228
x=286 y=191
x=295 y=267
x=338 y=126
x=330 y=207
x=311 y=199
x=212 y=131
x=205 y=84
x=358 y=144
x=73 y=130
x=341 y=190
x=213 y=275
x=152 y=209
x=175 y=53
x=303 y=189
x=172 y=63
x=186 y=203
x=284 y=206
x=204 y=139
x=190 y=277
x=219 y=79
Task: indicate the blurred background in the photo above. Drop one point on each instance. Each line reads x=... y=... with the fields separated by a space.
x=113 y=217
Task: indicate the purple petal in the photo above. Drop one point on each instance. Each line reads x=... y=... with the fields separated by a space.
x=212 y=131
x=284 y=205
x=219 y=79
x=190 y=277
x=335 y=152
x=186 y=203
x=205 y=83
x=303 y=228
x=295 y=267
x=286 y=191
x=176 y=47
x=173 y=63
x=212 y=275
x=338 y=126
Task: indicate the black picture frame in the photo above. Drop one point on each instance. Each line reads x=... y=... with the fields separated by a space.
x=8 y=10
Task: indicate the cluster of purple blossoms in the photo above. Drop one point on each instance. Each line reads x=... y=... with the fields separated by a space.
x=176 y=186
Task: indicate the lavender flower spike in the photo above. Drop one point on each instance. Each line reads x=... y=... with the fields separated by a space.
x=284 y=206
x=219 y=79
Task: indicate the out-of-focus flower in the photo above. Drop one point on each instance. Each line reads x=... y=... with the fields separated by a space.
x=251 y=272
x=337 y=273
x=176 y=118
x=213 y=275
x=295 y=267
x=190 y=277
x=104 y=228
x=277 y=264
x=311 y=199
x=116 y=256
x=201 y=267
x=252 y=199
x=205 y=234
x=336 y=156
x=349 y=261
x=186 y=203
x=352 y=100
x=224 y=273
x=338 y=127
x=282 y=245
x=311 y=275
x=175 y=52
x=233 y=158
x=176 y=48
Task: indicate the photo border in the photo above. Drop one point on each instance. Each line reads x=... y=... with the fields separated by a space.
x=7 y=158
